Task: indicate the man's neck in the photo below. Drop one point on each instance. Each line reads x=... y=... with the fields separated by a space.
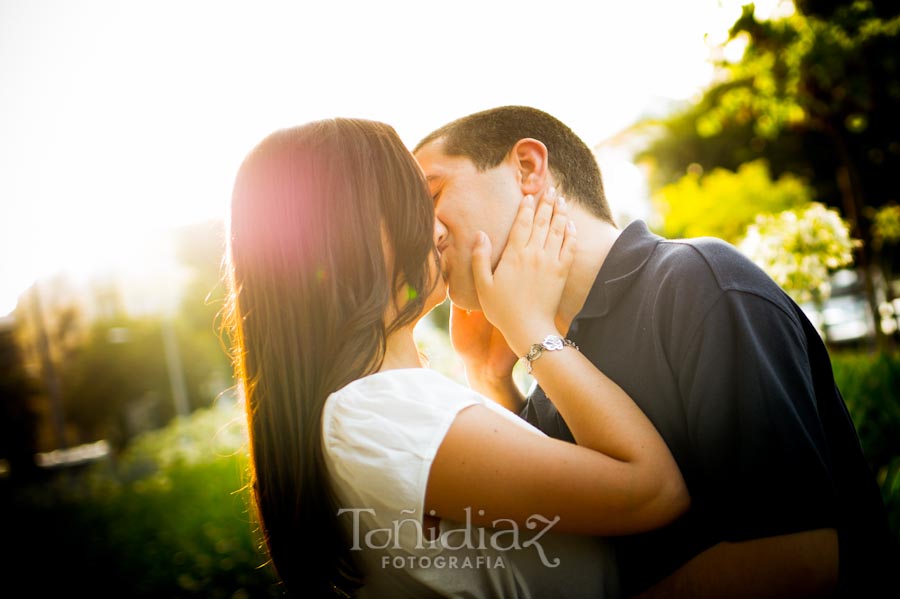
x=595 y=239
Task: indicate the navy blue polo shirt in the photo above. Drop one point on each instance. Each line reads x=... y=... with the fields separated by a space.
x=739 y=384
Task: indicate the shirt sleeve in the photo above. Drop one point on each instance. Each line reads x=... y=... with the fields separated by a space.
x=750 y=405
x=383 y=440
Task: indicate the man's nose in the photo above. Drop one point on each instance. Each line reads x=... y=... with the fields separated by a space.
x=440 y=232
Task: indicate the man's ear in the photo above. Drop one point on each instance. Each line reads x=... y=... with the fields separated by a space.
x=530 y=158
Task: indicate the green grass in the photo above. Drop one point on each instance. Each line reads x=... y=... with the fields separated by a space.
x=870 y=384
x=169 y=517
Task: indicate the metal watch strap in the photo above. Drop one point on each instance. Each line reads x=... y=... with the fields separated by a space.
x=550 y=343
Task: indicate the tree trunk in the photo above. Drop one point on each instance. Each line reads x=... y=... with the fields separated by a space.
x=48 y=368
x=853 y=201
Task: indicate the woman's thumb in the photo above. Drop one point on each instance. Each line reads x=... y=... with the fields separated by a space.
x=481 y=262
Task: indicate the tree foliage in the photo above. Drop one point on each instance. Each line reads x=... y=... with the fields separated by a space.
x=17 y=417
x=116 y=369
x=816 y=94
x=886 y=226
x=723 y=203
x=117 y=383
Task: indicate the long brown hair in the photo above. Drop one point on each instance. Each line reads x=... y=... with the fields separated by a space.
x=309 y=289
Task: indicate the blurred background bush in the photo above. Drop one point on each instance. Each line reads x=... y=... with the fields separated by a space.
x=168 y=516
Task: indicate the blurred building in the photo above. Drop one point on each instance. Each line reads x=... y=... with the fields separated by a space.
x=845 y=318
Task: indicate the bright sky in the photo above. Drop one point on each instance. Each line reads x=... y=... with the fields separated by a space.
x=120 y=119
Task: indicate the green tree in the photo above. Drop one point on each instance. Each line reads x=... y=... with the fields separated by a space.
x=200 y=249
x=817 y=94
x=886 y=226
x=116 y=384
x=18 y=442
x=723 y=203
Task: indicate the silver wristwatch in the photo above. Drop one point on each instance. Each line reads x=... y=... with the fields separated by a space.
x=550 y=343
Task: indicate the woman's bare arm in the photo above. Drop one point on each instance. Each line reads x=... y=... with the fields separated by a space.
x=619 y=479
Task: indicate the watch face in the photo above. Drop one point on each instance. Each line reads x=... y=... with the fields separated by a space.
x=552 y=342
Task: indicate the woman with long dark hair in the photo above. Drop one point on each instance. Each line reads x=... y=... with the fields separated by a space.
x=373 y=475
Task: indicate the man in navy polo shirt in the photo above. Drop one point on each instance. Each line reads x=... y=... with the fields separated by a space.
x=723 y=362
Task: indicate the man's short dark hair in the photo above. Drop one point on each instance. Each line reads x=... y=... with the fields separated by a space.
x=486 y=138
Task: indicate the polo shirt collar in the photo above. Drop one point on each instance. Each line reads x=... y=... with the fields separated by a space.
x=627 y=256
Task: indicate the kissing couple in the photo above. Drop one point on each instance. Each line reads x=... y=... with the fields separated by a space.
x=684 y=436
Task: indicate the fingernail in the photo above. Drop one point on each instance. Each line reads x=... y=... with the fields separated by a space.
x=561 y=201
x=570 y=226
x=480 y=238
x=551 y=192
x=528 y=199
